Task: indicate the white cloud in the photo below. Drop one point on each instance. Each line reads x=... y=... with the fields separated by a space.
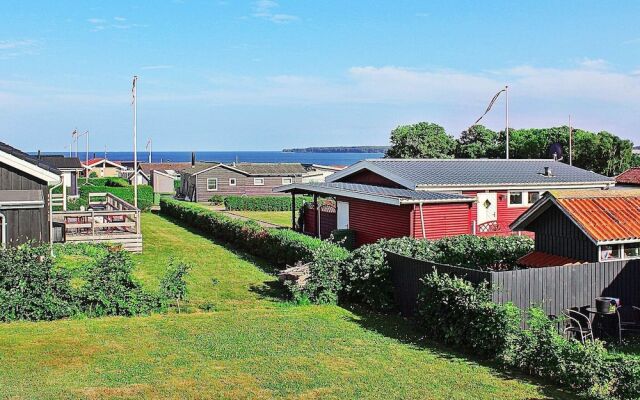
x=120 y=19
x=422 y=14
x=264 y=9
x=100 y=24
x=153 y=67
x=14 y=48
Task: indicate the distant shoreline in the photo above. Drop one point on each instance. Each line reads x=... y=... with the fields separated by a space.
x=339 y=149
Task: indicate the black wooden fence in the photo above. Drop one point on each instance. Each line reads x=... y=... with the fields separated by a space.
x=552 y=288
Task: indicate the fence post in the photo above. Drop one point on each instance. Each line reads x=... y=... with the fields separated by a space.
x=93 y=223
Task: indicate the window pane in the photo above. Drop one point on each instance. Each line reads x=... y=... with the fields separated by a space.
x=232 y=181
x=533 y=197
x=610 y=252
x=515 y=197
x=212 y=184
x=632 y=250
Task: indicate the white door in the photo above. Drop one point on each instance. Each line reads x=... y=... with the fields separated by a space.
x=343 y=215
x=487 y=207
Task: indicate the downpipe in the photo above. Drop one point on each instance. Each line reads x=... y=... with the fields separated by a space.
x=3 y=228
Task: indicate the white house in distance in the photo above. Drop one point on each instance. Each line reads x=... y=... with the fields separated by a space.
x=103 y=167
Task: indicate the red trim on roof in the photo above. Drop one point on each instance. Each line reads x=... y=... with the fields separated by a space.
x=630 y=176
x=539 y=259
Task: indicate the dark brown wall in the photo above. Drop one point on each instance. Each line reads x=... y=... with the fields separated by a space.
x=556 y=234
x=26 y=224
x=367 y=177
x=244 y=184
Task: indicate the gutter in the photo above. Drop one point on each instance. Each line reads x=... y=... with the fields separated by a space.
x=3 y=228
x=51 y=217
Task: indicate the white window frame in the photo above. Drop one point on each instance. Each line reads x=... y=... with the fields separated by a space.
x=622 y=257
x=258 y=181
x=209 y=187
x=233 y=181
x=525 y=198
x=287 y=181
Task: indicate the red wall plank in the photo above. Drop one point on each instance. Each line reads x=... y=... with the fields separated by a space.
x=440 y=220
x=372 y=221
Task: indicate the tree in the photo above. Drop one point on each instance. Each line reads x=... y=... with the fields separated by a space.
x=173 y=286
x=479 y=142
x=421 y=140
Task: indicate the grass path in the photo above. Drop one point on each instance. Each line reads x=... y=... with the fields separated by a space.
x=253 y=346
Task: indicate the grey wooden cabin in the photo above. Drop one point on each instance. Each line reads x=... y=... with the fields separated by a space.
x=202 y=181
x=24 y=197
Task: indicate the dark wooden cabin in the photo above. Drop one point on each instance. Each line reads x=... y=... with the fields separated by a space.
x=24 y=197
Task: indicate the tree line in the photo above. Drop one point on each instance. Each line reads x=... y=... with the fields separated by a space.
x=601 y=152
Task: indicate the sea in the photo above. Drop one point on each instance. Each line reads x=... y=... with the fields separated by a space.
x=343 y=159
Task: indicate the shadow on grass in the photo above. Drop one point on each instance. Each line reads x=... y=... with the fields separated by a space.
x=405 y=331
x=391 y=326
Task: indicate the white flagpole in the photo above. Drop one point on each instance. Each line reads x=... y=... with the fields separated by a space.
x=570 y=143
x=135 y=144
x=506 y=93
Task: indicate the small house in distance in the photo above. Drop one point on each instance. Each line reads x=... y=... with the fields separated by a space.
x=71 y=168
x=203 y=180
x=583 y=227
x=161 y=176
x=103 y=168
x=24 y=197
x=629 y=178
x=433 y=198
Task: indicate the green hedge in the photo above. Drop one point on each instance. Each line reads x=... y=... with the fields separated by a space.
x=457 y=313
x=366 y=275
x=145 y=194
x=278 y=246
x=263 y=203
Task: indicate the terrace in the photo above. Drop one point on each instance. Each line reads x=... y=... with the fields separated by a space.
x=107 y=219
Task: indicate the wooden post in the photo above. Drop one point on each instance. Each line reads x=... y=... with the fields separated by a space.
x=293 y=211
x=315 y=207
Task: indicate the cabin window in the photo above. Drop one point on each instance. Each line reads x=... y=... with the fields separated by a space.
x=287 y=181
x=632 y=250
x=515 y=199
x=258 y=181
x=232 y=181
x=212 y=184
x=610 y=252
x=533 y=197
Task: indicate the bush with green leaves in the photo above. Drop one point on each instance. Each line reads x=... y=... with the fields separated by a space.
x=279 y=246
x=323 y=284
x=145 y=194
x=216 y=200
x=173 y=286
x=263 y=203
x=111 y=289
x=345 y=238
x=460 y=314
x=31 y=288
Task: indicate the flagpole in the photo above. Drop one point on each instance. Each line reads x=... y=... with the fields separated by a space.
x=570 y=143
x=135 y=143
x=506 y=93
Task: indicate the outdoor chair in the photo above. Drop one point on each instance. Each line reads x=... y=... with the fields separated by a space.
x=633 y=324
x=578 y=325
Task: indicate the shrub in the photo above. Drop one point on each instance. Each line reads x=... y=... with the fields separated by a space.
x=324 y=283
x=30 y=287
x=278 y=246
x=173 y=286
x=110 y=288
x=145 y=194
x=262 y=203
x=216 y=200
x=457 y=313
x=494 y=253
x=93 y=174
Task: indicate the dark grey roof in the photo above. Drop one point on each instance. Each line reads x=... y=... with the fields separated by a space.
x=357 y=190
x=199 y=167
x=62 y=162
x=473 y=172
x=26 y=157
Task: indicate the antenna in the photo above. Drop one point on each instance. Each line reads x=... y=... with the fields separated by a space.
x=149 y=147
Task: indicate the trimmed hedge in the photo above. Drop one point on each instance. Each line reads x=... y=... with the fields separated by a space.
x=455 y=312
x=263 y=203
x=278 y=246
x=145 y=194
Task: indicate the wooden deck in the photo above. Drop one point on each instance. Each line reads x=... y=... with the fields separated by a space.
x=108 y=219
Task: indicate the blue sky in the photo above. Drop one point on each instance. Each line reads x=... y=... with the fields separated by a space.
x=263 y=75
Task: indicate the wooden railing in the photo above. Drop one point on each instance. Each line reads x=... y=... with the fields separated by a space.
x=106 y=215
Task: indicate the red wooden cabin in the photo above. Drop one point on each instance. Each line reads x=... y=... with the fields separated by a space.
x=432 y=198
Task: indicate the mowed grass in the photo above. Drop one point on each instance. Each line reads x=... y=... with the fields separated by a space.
x=282 y=218
x=253 y=346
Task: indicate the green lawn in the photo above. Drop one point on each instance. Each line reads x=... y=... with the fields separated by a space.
x=282 y=218
x=253 y=345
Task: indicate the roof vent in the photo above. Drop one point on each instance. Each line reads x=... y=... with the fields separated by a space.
x=547 y=171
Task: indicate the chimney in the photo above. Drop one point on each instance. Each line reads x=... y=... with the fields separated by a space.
x=39 y=154
x=193 y=158
x=547 y=171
